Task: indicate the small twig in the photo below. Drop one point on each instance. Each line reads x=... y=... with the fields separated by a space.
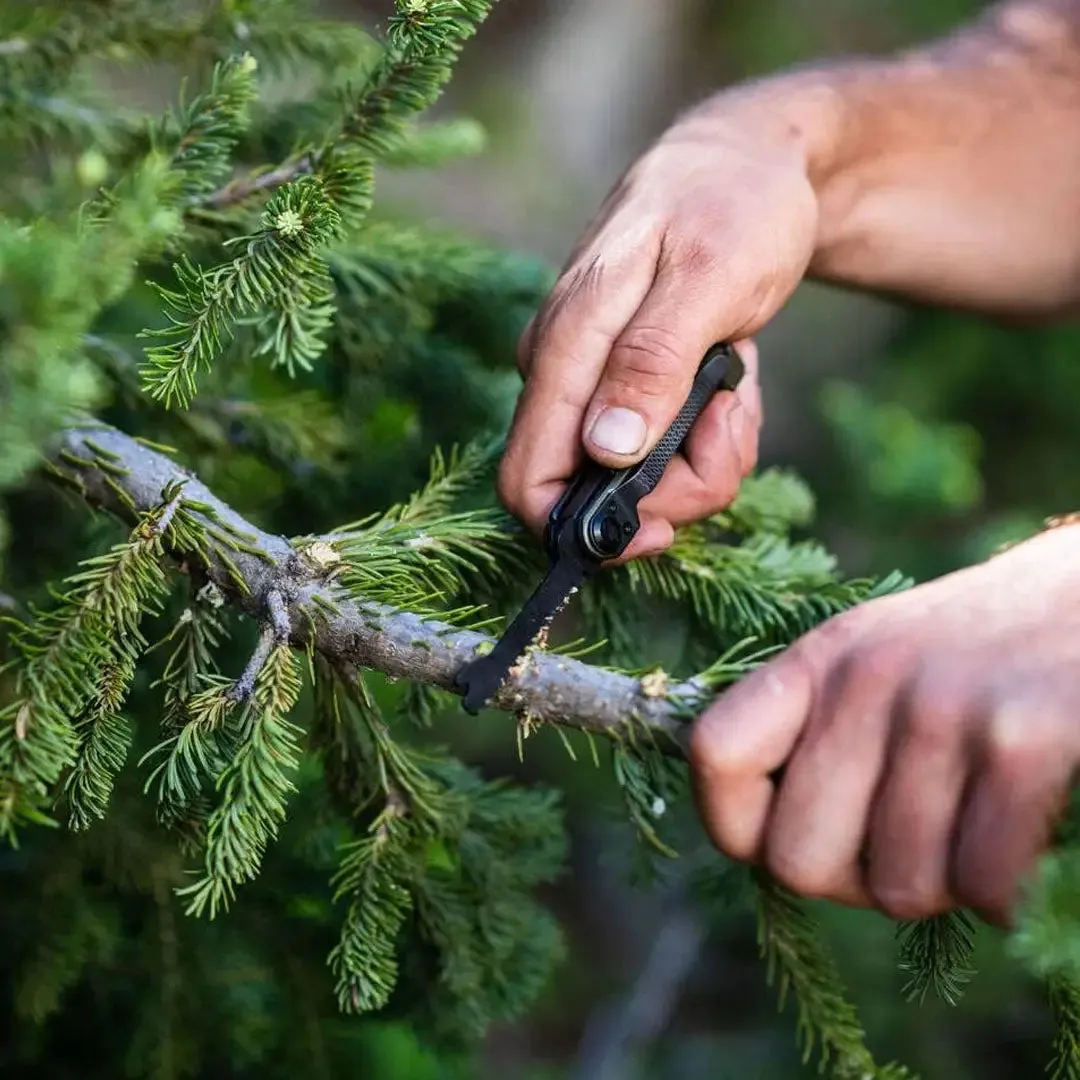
x=320 y=613
x=161 y=526
x=244 y=686
x=243 y=187
x=397 y=805
x=273 y=636
x=279 y=617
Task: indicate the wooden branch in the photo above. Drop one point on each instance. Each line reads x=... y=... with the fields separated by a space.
x=243 y=187
x=126 y=477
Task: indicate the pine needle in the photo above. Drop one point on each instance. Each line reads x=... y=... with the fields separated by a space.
x=937 y=954
x=253 y=786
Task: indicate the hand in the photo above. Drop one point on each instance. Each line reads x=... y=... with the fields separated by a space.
x=703 y=241
x=927 y=740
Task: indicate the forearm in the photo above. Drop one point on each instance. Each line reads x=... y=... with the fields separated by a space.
x=949 y=174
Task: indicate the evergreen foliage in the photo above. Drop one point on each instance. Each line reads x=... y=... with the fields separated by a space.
x=192 y=280
x=937 y=953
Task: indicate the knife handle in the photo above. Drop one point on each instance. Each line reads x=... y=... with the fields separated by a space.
x=721 y=369
x=604 y=501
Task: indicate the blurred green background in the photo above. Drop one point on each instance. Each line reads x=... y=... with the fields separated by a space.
x=929 y=438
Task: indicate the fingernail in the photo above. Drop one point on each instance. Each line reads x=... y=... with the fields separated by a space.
x=619 y=431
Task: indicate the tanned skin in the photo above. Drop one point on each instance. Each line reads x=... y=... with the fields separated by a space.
x=925 y=742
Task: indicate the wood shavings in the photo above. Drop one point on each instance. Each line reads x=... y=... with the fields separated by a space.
x=655 y=684
x=321 y=555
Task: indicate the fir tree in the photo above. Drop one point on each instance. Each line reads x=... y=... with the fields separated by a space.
x=209 y=335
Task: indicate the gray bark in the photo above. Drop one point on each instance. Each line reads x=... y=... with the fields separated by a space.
x=546 y=688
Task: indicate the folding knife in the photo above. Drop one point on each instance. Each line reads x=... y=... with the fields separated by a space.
x=592 y=523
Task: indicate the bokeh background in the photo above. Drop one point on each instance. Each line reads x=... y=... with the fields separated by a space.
x=929 y=438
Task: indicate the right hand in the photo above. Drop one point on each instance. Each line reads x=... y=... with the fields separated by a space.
x=702 y=241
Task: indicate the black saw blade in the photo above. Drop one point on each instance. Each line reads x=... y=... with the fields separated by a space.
x=482 y=678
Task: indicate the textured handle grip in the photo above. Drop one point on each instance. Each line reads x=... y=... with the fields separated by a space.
x=721 y=368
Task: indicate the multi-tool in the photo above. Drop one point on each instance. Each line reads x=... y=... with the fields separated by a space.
x=592 y=523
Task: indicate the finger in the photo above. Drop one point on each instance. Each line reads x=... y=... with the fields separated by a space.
x=823 y=805
x=653 y=361
x=914 y=822
x=525 y=348
x=741 y=412
x=723 y=449
x=747 y=420
x=739 y=741
x=571 y=343
x=683 y=497
x=1021 y=789
x=654 y=537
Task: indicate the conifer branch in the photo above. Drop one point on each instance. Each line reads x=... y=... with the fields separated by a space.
x=799 y=962
x=424 y=40
x=280 y=265
x=242 y=188
x=546 y=688
x=78 y=659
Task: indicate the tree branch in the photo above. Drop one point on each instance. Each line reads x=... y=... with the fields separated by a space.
x=126 y=477
x=243 y=187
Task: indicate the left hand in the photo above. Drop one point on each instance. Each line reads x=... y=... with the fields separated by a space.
x=928 y=741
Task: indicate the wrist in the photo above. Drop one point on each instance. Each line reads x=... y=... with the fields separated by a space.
x=798 y=116
x=813 y=120
x=940 y=175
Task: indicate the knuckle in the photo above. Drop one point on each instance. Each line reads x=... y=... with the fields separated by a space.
x=721 y=492
x=734 y=844
x=938 y=708
x=588 y=276
x=701 y=750
x=795 y=667
x=1017 y=738
x=706 y=750
x=982 y=891
x=712 y=493
x=800 y=876
x=903 y=900
x=832 y=640
x=516 y=492
x=699 y=254
x=882 y=658
x=579 y=281
x=648 y=355
x=747 y=451
x=867 y=636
